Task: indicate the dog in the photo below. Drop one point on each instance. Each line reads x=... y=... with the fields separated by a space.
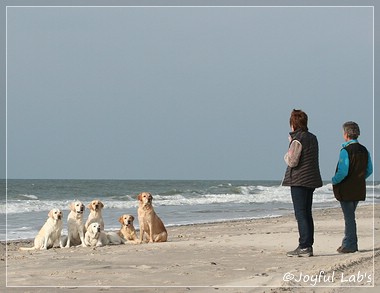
x=75 y=225
x=96 y=237
x=127 y=230
x=50 y=232
x=95 y=215
x=150 y=224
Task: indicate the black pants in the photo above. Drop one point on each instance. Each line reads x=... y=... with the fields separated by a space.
x=302 y=198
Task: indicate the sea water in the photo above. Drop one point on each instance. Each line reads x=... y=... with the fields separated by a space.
x=26 y=203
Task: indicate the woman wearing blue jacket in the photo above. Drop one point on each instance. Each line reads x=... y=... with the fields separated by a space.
x=349 y=186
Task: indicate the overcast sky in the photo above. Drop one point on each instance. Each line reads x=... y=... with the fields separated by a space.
x=181 y=93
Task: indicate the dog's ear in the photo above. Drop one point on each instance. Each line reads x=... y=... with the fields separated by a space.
x=121 y=220
x=90 y=206
x=139 y=197
x=133 y=218
x=50 y=214
x=72 y=206
x=101 y=204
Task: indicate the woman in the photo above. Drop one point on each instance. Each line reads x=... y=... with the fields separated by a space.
x=303 y=176
x=349 y=185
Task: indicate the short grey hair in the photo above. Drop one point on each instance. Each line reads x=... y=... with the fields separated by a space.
x=351 y=129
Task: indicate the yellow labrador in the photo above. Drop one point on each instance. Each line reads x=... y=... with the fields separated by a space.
x=127 y=230
x=150 y=224
x=50 y=232
x=96 y=237
x=75 y=225
x=95 y=215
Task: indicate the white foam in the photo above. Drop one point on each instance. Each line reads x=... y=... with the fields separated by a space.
x=30 y=196
x=241 y=195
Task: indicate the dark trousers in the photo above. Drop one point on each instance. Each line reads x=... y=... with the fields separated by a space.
x=302 y=198
x=350 y=239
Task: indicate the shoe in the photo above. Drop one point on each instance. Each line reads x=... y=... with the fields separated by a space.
x=346 y=250
x=308 y=251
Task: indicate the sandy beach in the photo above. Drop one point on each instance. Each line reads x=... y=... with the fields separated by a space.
x=236 y=256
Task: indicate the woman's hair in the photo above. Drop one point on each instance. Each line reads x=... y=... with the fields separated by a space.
x=351 y=129
x=298 y=119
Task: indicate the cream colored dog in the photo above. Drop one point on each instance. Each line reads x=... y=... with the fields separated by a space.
x=150 y=224
x=95 y=215
x=127 y=230
x=96 y=237
x=50 y=232
x=75 y=225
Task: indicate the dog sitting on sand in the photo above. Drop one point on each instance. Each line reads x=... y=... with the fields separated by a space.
x=95 y=215
x=127 y=230
x=50 y=232
x=75 y=225
x=150 y=224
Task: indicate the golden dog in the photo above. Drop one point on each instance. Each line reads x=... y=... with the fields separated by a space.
x=127 y=230
x=50 y=232
x=95 y=215
x=150 y=224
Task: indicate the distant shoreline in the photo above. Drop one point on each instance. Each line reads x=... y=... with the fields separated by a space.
x=213 y=223
x=287 y=213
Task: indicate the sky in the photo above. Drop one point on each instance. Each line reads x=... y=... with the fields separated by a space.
x=181 y=92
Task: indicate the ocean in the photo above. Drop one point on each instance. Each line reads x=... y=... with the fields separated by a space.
x=26 y=203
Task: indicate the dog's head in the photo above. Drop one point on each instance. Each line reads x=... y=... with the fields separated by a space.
x=126 y=220
x=94 y=229
x=55 y=214
x=145 y=198
x=96 y=205
x=77 y=207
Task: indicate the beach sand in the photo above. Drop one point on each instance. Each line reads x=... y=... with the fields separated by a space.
x=235 y=256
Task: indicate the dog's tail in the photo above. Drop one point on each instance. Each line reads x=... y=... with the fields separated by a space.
x=27 y=248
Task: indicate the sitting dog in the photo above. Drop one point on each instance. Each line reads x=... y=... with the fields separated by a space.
x=127 y=230
x=95 y=215
x=150 y=224
x=96 y=237
x=50 y=232
x=75 y=225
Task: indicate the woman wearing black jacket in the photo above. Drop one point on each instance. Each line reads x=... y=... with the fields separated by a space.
x=303 y=176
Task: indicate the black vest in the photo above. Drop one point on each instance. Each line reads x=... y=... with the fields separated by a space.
x=307 y=173
x=353 y=187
